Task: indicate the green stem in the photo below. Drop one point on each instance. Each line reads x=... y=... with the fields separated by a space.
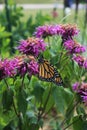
x=70 y=124
x=44 y=107
x=73 y=122
x=6 y=84
x=22 y=85
x=64 y=121
x=49 y=42
x=9 y=25
x=17 y=114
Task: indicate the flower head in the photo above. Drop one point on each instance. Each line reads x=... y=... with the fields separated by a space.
x=33 y=68
x=85 y=64
x=81 y=89
x=26 y=65
x=48 y=30
x=76 y=86
x=79 y=59
x=22 y=65
x=74 y=47
x=32 y=46
x=10 y=67
x=44 y=31
x=69 y=31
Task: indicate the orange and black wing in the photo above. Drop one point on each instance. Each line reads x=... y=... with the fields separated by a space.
x=48 y=73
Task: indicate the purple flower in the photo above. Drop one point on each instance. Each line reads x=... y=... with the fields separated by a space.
x=79 y=59
x=69 y=44
x=76 y=86
x=26 y=64
x=33 y=68
x=32 y=46
x=10 y=67
x=79 y=49
x=22 y=69
x=59 y=30
x=69 y=31
x=85 y=64
x=81 y=89
x=44 y=31
x=48 y=30
x=74 y=47
x=22 y=64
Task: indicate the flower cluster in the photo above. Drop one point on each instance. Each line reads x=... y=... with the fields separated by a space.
x=33 y=68
x=27 y=64
x=7 y=68
x=81 y=89
x=73 y=47
x=81 y=60
x=20 y=65
x=48 y=30
x=67 y=31
x=32 y=46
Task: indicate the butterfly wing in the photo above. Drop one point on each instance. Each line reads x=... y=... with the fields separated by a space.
x=48 y=73
x=57 y=78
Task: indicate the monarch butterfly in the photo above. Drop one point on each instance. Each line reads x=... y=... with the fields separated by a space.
x=48 y=73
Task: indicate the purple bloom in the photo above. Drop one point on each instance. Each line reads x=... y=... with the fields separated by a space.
x=74 y=47
x=48 y=30
x=69 y=44
x=85 y=64
x=10 y=67
x=79 y=59
x=44 y=31
x=26 y=64
x=33 y=68
x=82 y=61
x=81 y=89
x=79 y=49
x=75 y=86
x=59 y=29
x=22 y=69
x=69 y=31
x=32 y=46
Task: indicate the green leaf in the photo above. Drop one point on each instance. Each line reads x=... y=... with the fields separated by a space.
x=21 y=101
x=30 y=114
x=68 y=95
x=69 y=112
x=48 y=100
x=33 y=127
x=85 y=125
x=32 y=121
x=7 y=99
x=55 y=125
x=38 y=92
x=9 y=126
x=58 y=95
x=80 y=110
x=79 y=124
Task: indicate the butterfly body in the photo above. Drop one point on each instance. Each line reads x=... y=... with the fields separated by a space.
x=47 y=72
